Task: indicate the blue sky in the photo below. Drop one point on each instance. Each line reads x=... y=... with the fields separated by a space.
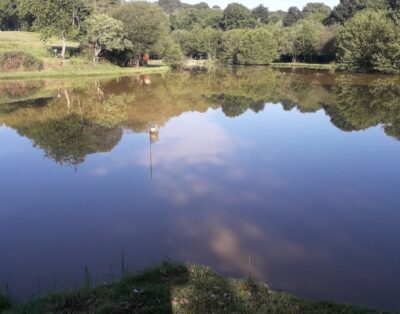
x=271 y=4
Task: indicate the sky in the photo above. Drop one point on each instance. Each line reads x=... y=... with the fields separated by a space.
x=272 y=5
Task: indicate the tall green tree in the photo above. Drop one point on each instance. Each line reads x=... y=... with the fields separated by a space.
x=293 y=15
x=105 y=33
x=54 y=18
x=316 y=10
x=238 y=16
x=370 y=41
x=230 y=46
x=258 y=47
x=261 y=13
x=344 y=11
x=145 y=24
x=170 y=6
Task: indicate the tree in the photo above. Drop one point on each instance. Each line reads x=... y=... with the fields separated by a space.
x=344 y=11
x=170 y=6
x=171 y=53
x=144 y=25
x=8 y=15
x=204 y=42
x=370 y=41
x=261 y=13
x=316 y=10
x=238 y=16
x=230 y=46
x=104 y=6
x=54 y=18
x=258 y=47
x=105 y=33
x=293 y=15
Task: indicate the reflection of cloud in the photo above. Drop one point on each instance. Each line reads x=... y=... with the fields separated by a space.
x=191 y=141
x=101 y=171
x=232 y=241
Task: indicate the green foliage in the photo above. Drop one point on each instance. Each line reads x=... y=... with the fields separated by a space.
x=258 y=47
x=369 y=42
x=104 y=6
x=8 y=15
x=171 y=53
x=230 y=46
x=309 y=41
x=144 y=25
x=19 y=61
x=170 y=5
x=261 y=13
x=54 y=17
x=317 y=11
x=186 y=18
x=238 y=16
x=344 y=11
x=293 y=15
x=105 y=33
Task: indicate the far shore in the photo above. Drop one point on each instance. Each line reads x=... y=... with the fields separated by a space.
x=84 y=73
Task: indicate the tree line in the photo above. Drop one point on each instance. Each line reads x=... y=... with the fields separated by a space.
x=359 y=35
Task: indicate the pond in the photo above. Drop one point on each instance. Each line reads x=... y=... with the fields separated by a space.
x=292 y=176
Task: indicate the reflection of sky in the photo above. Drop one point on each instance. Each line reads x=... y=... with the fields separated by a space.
x=316 y=209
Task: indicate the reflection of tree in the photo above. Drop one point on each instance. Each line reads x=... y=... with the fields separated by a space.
x=89 y=118
x=70 y=139
x=233 y=106
x=359 y=107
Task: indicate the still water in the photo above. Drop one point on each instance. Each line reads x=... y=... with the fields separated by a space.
x=298 y=170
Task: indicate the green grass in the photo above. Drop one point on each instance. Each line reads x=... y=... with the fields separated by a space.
x=30 y=42
x=178 y=288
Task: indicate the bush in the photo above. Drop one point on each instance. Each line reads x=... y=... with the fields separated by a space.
x=19 y=61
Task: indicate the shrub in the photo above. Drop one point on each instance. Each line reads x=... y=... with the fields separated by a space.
x=19 y=61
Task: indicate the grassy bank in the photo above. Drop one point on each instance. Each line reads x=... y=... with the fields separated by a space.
x=314 y=66
x=74 y=66
x=99 y=71
x=178 y=288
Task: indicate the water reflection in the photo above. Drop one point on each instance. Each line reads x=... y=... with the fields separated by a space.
x=245 y=163
x=71 y=122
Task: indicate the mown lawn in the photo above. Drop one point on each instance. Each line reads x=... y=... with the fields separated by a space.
x=179 y=288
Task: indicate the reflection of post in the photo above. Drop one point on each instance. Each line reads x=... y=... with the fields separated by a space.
x=100 y=93
x=68 y=100
x=151 y=159
x=154 y=137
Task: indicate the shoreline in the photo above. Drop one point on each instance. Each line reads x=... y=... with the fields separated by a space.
x=175 y=288
x=83 y=73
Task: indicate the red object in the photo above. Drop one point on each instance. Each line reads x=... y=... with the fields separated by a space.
x=146 y=57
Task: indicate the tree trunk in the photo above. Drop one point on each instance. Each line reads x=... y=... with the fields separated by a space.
x=68 y=100
x=64 y=45
x=97 y=52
